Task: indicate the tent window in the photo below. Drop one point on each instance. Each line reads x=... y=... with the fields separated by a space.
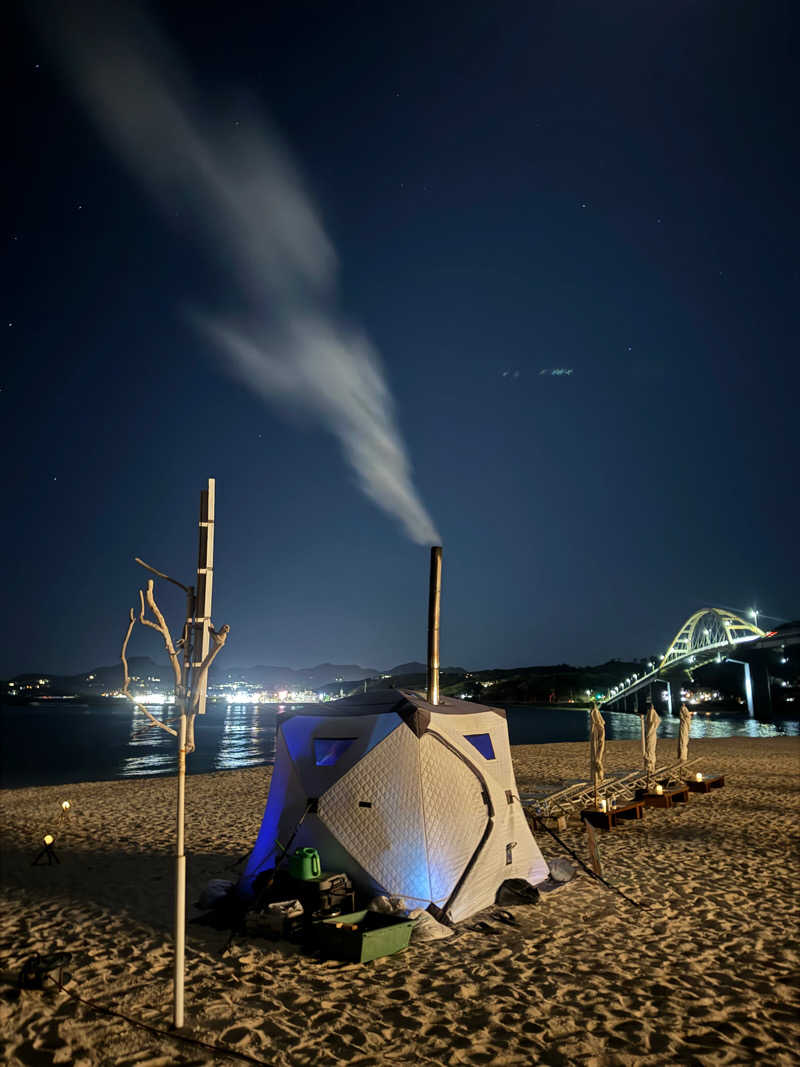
x=483 y=743
x=329 y=750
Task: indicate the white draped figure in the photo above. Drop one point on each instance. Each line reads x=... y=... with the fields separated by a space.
x=652 y=719
x=683 y=734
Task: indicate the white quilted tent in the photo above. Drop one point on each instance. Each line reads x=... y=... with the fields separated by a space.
x=408 y=798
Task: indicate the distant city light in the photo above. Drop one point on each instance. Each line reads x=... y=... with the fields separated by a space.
x=252 y=697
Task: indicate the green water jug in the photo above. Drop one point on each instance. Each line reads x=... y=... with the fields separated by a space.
x=304 y=863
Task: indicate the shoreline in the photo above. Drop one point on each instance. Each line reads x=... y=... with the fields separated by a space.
x=120 y=750
x=705 y=973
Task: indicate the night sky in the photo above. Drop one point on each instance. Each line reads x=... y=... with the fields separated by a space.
x=311 y=249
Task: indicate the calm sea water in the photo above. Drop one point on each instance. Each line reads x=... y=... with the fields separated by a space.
x=51 y=745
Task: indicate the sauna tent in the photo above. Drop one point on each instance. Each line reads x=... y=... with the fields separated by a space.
x=408 y=798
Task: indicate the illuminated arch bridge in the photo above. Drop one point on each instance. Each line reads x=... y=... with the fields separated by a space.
x=710 y=634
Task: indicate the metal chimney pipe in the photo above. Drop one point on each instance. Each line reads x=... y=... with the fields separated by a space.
x=434 y=602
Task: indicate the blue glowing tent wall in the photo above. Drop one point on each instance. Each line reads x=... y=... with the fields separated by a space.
x=420 y=802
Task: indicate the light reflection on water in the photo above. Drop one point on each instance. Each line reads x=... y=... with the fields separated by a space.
x=86 y=744
x=247 y=739
x=152 y=749
x=533 y=725
x=226 y=737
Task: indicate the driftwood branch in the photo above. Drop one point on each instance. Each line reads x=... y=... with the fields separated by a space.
x=126 y=680
x=160 y=574
x=200 y=675
x=142 y=619
x=219 y=637
x=163 y=629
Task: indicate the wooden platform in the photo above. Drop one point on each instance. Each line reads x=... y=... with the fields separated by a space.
x=606 y=820
x=705 y=785
x=668 y=799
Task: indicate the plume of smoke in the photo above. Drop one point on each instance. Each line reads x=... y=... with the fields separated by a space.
x=251 y=207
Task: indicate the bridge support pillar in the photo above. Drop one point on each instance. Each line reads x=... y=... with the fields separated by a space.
x=760 y=691
x=748 y=689
x=674 y=697
x=757 y=688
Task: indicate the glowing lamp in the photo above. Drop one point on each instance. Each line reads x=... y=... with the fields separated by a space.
x=48 y=839
x=698 y=777
x=65 y=805
x=603 y=804
x=659 y=790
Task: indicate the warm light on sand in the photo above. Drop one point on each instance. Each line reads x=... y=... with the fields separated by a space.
x=65 y=805
x=114 y=898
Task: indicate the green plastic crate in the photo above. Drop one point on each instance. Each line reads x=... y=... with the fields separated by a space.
x=375 y=935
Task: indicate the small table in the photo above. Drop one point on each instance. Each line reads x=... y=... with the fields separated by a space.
x=705 y=785
x=668 y=799
x=606 y=820
x=630 y=809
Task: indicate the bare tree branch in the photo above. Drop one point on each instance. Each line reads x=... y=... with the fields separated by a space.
x=126 y=680
x=219 y=637
x=142 y=619
x=200 y=676
x=164 y=630
x=125 y=677
x=201 y=673
x=159 y=574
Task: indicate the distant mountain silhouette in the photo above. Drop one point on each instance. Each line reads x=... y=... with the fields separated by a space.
x=288 y=678
x=414 y=667
x=529 y=684
x=101 y=679
x=143 y=669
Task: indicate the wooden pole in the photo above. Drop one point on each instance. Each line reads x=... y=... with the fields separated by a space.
x=198 y=624
x=204 y=585
x=180 y=882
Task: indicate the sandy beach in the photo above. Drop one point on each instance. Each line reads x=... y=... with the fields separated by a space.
x=706 y=973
